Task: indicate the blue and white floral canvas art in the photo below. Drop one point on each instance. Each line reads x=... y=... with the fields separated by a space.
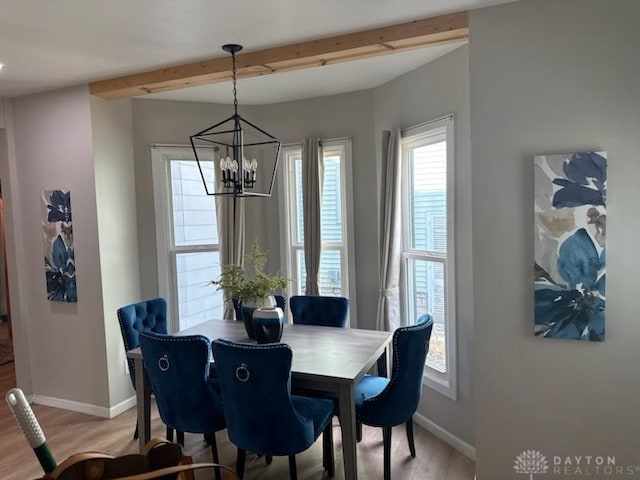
x=59 y=258
x=570 y=233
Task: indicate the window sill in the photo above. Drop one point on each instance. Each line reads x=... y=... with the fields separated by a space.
x=440 y=383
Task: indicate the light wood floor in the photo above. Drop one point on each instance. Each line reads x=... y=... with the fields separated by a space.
x=69 y=432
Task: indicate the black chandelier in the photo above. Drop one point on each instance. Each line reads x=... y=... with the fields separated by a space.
x=247 y=154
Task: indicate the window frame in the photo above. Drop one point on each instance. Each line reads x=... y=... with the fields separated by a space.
x=413 y=137
x=166 y=250
x=287 y=201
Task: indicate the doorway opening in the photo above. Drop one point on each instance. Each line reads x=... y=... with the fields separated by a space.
x=6 y=334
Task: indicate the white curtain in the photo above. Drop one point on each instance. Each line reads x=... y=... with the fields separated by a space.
x=390 y=244
x=312 y=175
x=230 y=214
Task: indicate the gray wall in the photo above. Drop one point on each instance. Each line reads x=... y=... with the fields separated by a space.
x=66 y=341
x=117 y=229
x=435 y=90
x=552 y=77
x=71 y=354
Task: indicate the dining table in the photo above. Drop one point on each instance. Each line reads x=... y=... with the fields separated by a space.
x=325 y=359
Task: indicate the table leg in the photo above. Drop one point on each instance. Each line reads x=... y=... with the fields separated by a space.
x=348 y=425
x=383 y=364
x=143 y=404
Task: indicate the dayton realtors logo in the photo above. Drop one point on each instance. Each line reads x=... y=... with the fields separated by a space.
x=533 y=462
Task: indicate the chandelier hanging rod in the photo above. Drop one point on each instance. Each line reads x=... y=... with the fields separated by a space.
x=253 y=152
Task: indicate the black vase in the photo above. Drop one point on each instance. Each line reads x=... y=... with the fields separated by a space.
x=268 y=324
x=247 y=319
x=245 y=312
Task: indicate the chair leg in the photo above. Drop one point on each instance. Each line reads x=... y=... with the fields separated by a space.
x=180 y=437
x=240 y=463
x=327 y=450
x=386 y=440
x=412 y=447
x=268 y=459
x=358 y=431
x=135 y=434
x=211 y=437
x=170 y=434
x=293 y=470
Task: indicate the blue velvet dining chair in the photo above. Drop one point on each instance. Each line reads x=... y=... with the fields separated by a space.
x=144 y=316
x=262 y=416
x=187 y=396
x=319 y=310
x=384 y=402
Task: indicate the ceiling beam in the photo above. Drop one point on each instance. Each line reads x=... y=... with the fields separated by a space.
x=313 y=53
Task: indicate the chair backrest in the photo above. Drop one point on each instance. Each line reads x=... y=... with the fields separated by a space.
x=254 y=381
x=178 y=369
x=399 y=400
x=144 y=316
x=281 y=302
x=319 y=310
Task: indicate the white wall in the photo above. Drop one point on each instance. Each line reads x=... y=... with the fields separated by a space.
x=433 y=91
x=66 y=341
x=552 y=77
x=117 y=229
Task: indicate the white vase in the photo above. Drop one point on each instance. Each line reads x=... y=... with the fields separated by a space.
x=265 y=302
x=268 y=323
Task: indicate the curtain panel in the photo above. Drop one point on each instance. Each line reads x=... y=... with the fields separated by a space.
x=312 y=175
x=388 y=317
x=230 y=213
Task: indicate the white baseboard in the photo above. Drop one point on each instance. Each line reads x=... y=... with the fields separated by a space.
x=460 y=445
x=87 y=408
x=123 y=406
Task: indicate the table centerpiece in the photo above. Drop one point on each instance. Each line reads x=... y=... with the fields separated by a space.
x=251 y=290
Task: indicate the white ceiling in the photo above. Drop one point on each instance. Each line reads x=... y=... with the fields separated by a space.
x=49 y=44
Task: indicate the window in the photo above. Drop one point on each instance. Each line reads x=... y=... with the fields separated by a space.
x=428 y=243
x=335 y=272
x=186 y=237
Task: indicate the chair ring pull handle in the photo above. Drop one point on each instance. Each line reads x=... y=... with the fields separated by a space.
x=242 y=373
x=163 y=363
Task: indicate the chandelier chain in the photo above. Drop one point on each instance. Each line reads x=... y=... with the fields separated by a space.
x=235 y=90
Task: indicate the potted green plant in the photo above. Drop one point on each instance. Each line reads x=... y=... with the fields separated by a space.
x=250 y=285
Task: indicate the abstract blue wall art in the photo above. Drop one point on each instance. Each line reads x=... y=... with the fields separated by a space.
x=570 y=233
x=59 y=258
